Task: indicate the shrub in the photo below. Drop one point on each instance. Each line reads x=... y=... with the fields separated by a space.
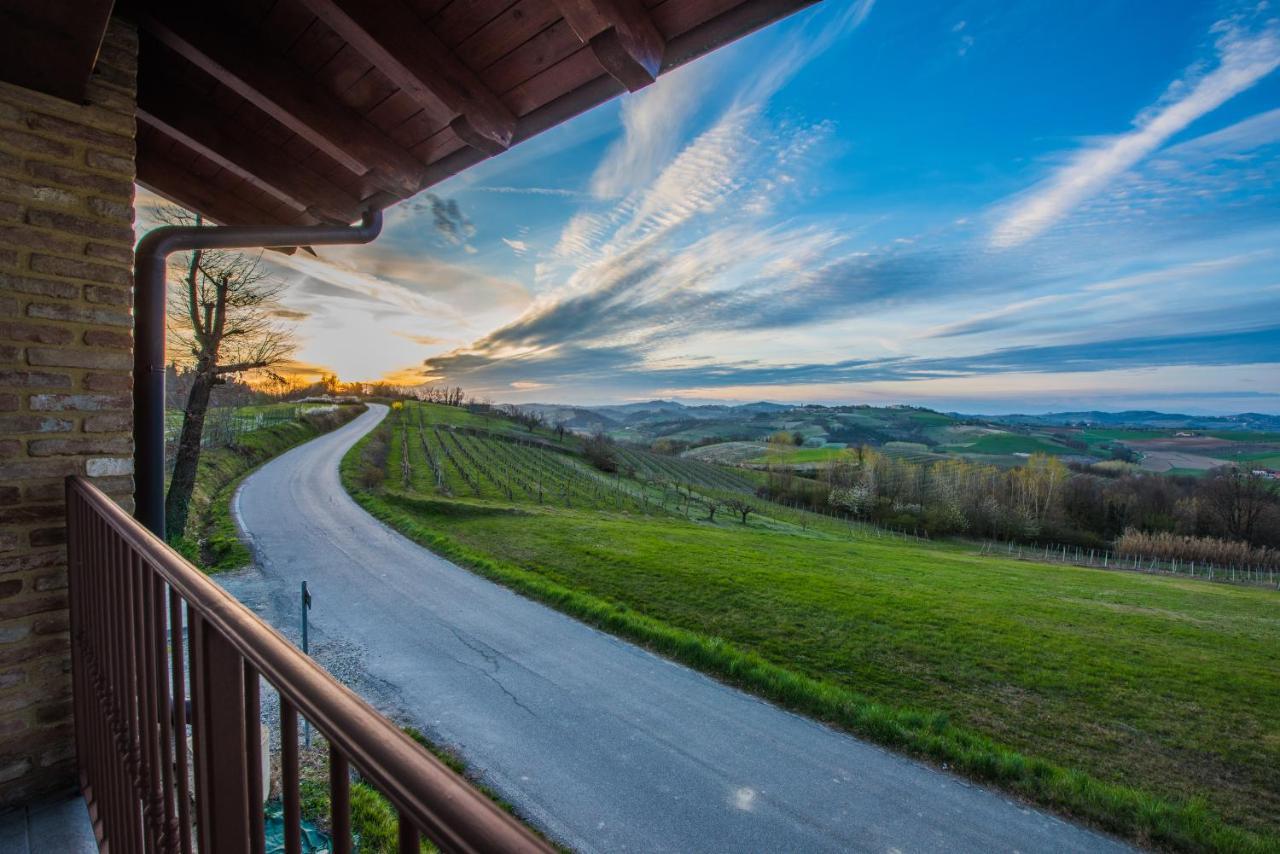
x=1166 y=546
x=598 y=451
x=373 y=458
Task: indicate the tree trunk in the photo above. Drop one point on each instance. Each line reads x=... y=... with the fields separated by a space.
x=187 y=459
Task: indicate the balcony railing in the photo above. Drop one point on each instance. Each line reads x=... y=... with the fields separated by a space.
x=159 y=650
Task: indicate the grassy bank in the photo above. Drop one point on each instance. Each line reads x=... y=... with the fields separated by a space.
x=211 y=540
x=374 y=820
x=1146 y=706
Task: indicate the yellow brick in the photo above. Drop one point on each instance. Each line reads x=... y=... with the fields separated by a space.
x=66 y=244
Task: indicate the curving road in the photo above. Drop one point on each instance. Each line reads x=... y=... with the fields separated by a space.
x=601 y=744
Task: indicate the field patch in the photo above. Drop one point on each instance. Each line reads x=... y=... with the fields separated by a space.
x=1010 y=443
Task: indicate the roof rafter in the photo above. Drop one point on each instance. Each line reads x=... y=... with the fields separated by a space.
x=176 y=113
x=400 y=45
x=284 y=92
x=621 y=35
x=181 y=186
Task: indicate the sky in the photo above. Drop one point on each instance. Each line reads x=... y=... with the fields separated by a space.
x=974 y=206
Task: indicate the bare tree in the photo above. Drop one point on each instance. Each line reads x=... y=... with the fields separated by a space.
x=712 y=504
x=222 y=321
x=741 y=507
x=1236 y=499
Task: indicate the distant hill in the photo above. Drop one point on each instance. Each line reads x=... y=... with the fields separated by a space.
x=654 y=419
x=737 y=433
x=1246 y=421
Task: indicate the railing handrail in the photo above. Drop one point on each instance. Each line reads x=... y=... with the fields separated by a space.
x=438 y=801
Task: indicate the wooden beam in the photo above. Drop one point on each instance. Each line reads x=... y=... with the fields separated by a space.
x=239 y=61
x=180 y=115
x=52 y=46
x=740 y=21
x=195 y=145
x=175 y=183
x=392 y=36
x=621 y=35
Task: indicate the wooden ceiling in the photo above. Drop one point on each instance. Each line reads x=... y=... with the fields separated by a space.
x=309 y=111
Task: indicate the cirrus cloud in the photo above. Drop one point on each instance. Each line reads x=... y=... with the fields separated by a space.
x=1244 y=56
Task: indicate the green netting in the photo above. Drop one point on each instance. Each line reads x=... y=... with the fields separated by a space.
x=313 y=841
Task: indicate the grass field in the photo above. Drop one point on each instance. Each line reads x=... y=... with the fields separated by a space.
x=1179 y=471
x=1148 y=705
x=1246 y=436
x=1104 y=434
x=798 y=456
x=1011 y=443
x=1267 y=459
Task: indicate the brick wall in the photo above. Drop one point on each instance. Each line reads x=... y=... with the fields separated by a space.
x=66 y=254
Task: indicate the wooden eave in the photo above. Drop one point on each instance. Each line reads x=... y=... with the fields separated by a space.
x=309 y=111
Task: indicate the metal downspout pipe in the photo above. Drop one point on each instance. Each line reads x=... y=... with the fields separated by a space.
x=150 y=263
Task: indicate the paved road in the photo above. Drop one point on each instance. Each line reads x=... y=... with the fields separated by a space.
x=603 y=745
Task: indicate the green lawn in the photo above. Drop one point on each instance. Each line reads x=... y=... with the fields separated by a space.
x=1178 y=471
x=1104 y=434
x=797 y=456
x=1264 y=459
x=1013 y=672
x=1011 y=443
x=1245 y=436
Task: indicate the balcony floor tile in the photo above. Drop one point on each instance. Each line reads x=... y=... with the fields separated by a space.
x=48 y=827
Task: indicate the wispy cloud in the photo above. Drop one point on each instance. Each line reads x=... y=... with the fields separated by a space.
x=1244 y=56
x=653 y=122
x=530 y=191
x=1177 y=273
x=1232 y=141
x=447 y=218
x=821 y=32
x=424 y=340
x=621 y=370
x=517 y=246
x=992 y=320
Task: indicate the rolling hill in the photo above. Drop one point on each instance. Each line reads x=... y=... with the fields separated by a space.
x=738 y=434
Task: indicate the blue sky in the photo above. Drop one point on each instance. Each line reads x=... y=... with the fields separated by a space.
x=983 y=206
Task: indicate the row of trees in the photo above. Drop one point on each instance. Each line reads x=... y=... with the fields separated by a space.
x=445 y=395
x=1042 y=500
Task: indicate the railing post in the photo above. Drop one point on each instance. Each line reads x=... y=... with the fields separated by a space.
x=289 y=777
x=339 y=800
x=221 y=757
